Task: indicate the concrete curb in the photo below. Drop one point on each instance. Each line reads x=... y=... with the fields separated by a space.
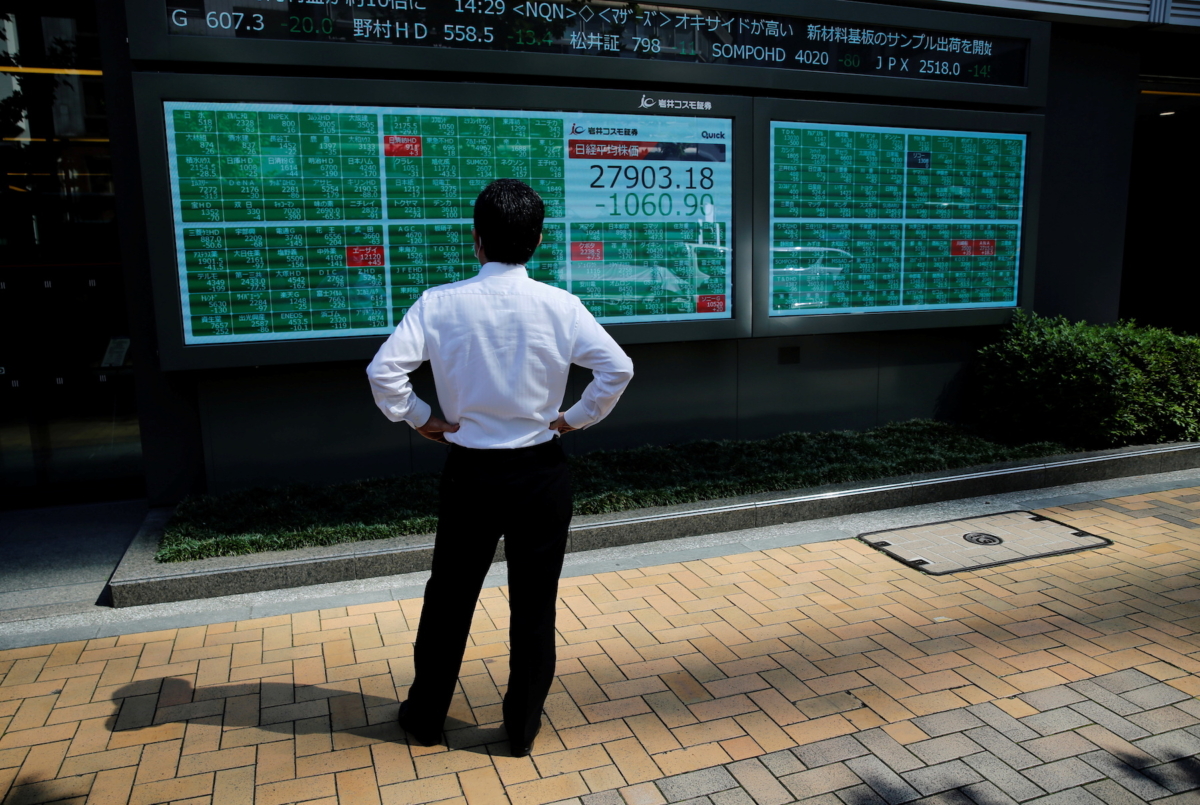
x=140 y=580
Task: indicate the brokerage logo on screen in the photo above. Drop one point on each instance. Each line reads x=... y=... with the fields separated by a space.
x=869 y=219
x=298 y=221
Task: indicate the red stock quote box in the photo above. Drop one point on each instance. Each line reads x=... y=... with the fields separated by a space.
x=972 y=248
x=710 y=304
x=357 y=256
x=396 y=145
x=587 y=250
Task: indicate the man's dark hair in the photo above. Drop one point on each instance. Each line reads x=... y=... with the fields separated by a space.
x=508 y=220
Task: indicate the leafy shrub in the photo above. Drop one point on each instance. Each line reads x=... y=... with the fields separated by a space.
x=1087 y=385
x=608 y=481
x=301 y=516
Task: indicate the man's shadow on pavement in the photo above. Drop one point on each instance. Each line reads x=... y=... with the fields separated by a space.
x=286 y=709
x=328 y=709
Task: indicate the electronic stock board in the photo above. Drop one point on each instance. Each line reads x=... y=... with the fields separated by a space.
x=831 y=46
x=926 y=215
x=649 y=32
x=308 y=211
x=298 y=221
x=871 y=218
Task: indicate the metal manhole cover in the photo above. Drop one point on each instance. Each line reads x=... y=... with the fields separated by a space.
x=953 y=546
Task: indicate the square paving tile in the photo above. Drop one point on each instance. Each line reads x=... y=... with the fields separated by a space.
x=953 y=546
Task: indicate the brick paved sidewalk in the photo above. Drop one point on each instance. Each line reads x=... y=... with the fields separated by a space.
x=824 y=671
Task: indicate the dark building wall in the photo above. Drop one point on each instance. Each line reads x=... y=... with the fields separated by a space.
x=1085 y=181
x=319 y=424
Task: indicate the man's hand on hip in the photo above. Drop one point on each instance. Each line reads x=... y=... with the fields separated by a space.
x=434 y=428
x=561 y=425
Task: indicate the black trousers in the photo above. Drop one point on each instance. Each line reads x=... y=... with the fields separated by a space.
x=524 y=495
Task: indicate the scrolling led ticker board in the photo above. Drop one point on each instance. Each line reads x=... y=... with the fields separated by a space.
x=300 y=221
x=878 y=219
x=648 y=32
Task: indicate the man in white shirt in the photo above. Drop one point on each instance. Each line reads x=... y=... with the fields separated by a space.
x=500 y=345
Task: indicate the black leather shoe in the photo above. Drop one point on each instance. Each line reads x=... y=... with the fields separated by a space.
x=523 y=750
x=423 y=736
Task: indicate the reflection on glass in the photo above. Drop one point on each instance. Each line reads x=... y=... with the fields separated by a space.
x=68 y=424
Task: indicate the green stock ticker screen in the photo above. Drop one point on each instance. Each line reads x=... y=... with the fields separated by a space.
x=297 y=221
x=879 y=219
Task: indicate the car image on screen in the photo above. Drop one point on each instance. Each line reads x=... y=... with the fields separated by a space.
x=805 y=276
x=693 y=283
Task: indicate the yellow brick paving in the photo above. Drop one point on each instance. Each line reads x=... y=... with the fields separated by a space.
x=663 y=670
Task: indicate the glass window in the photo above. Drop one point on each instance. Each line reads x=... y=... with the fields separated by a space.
x=68 y=423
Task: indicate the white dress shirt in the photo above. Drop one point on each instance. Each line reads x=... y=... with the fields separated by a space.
x=500 y=345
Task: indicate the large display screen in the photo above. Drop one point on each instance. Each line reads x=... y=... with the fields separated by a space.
x=879 y=219
x=647 y=32
x=299 y=221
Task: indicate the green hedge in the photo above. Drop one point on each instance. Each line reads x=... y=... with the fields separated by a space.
x=300 y=516
x=1089 y=386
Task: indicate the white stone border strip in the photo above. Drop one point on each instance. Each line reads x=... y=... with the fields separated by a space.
x=140 y=580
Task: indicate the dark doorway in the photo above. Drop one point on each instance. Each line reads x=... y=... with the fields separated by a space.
x=1161 y=276
x=68 y=423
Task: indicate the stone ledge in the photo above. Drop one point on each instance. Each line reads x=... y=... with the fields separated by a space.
x=140 y=580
